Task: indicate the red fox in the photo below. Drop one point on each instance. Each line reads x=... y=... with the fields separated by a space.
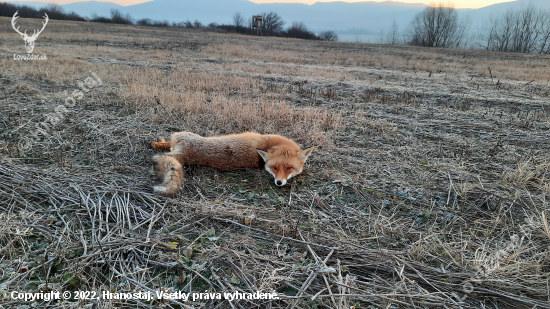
x=280 y=156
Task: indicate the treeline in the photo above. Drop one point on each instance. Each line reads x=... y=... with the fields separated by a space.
x=272 y=23
x=525 y=30
x=54 y=11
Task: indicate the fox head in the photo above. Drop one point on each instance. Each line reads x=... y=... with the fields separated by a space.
x=284 y=164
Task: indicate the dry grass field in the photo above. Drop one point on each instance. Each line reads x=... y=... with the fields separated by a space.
x=429 y=186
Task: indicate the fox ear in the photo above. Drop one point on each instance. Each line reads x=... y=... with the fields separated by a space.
x=263 y=153
x=304 y=154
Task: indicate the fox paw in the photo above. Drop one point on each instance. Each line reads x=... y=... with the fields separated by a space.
x=158 y=144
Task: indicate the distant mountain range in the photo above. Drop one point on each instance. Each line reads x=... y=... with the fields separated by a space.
x=351 y=20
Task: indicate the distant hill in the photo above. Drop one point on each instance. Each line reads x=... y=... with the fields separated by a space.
x=352 y=21
x=481 y=15
x=88 y=8
x=35 y=4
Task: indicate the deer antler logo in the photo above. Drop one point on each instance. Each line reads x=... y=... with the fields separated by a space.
x=29 y=40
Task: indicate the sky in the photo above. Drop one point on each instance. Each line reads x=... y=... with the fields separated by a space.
x=474 y=4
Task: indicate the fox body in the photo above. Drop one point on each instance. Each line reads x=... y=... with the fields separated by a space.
x=280 y=156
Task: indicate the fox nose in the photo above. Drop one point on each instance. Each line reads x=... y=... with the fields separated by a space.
x=279 y=183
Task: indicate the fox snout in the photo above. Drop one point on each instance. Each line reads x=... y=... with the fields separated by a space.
x=282 y=173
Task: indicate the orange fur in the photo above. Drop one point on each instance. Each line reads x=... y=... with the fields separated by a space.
x=280 y=156
x=161 y=144
x=169 y=172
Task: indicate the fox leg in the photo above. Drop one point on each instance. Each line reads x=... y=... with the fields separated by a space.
x=162 y=144
x=169 y=171
x=171 y=184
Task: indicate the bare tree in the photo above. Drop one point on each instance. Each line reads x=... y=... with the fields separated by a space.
x=145 y=22
x=54 y=9
x=380 y=39
x=272 y=23
x=238 y=20
x=329 y=35
x=358 y=33
x=393 y=36
x=545 y=38
x=118 y=18
x=298 y=25
x=299 y=30
x=438 y=26
x=524 y=30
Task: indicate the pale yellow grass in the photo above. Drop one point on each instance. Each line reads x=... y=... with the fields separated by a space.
x=429 y=60
x=529 y=175
x=196 y=99
x=190 y=98
x=288 y=69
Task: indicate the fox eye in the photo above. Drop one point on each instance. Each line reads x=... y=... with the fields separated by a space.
x=288 y=168
x=274 y=168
